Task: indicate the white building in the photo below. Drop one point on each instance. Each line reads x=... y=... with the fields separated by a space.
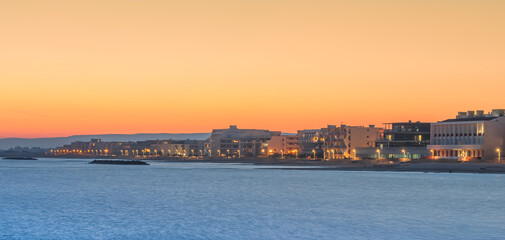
x=469 y=136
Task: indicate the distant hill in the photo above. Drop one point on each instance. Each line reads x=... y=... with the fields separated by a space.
x=7 y=143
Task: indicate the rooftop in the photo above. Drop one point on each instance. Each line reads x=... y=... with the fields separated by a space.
x=471 y=119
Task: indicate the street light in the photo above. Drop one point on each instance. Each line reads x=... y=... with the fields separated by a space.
x=404 y=154
x=354 y=152
x=499 y=153
x=282 y=153
x=314 y=151
x=378 y=154
x=238 y=153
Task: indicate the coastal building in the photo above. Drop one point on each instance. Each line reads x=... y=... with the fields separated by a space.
x=310 y=143
x=341 y=142
x=400 y=140
x=235 y=142
x=283 y=145
x=148 y=148
x=405 y=134
x=93 y=147
x=471 y=135
x=403 y=153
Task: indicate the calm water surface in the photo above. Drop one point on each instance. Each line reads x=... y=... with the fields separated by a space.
x=69 y=199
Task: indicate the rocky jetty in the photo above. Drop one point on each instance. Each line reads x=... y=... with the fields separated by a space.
x=19 y=158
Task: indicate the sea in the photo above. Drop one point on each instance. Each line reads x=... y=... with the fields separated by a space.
x=70 y=199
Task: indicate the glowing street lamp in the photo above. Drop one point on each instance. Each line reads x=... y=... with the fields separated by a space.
x=404 y=154
x=238 y=153
x=354 y=153
x=378 y=154
x=314 y=151
x=499 y=153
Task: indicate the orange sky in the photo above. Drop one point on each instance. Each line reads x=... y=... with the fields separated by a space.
x=97 y=66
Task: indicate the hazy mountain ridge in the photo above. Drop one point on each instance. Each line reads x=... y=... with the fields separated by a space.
x=6 y=143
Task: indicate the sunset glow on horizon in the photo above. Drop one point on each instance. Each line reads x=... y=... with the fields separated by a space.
x=101 y=67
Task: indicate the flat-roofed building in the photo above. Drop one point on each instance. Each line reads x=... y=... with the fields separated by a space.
x=235 y=142
x=309 y=141
x=148 y=148
x=283 y=145
x=182 y=148
x=471 y=135
x=405 y=134
x=400 y=140
x=341 y=142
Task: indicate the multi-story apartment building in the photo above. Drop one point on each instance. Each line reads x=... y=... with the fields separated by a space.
x=341 y=142
x=400 y=140
x=309 y=141
x=283 y=145
x=239 y=142
x=405 y=134
x=150 y=148
x=471 y=135
x=93 y=147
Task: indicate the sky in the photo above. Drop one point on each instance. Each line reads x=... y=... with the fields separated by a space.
x=106 y=66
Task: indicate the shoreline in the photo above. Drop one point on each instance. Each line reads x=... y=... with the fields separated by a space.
x=342 y=165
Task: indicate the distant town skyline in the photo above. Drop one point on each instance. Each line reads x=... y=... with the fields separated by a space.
x=105 y=67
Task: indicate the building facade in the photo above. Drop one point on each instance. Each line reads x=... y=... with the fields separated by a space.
x=235 y=142
x=310 y=143
x=405 y=134
x=283 y=145
x=400 y=140
x=148 y=148
x=471 y=135
x=341 y=142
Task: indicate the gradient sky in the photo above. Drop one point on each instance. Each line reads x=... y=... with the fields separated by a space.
x=98 y=66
